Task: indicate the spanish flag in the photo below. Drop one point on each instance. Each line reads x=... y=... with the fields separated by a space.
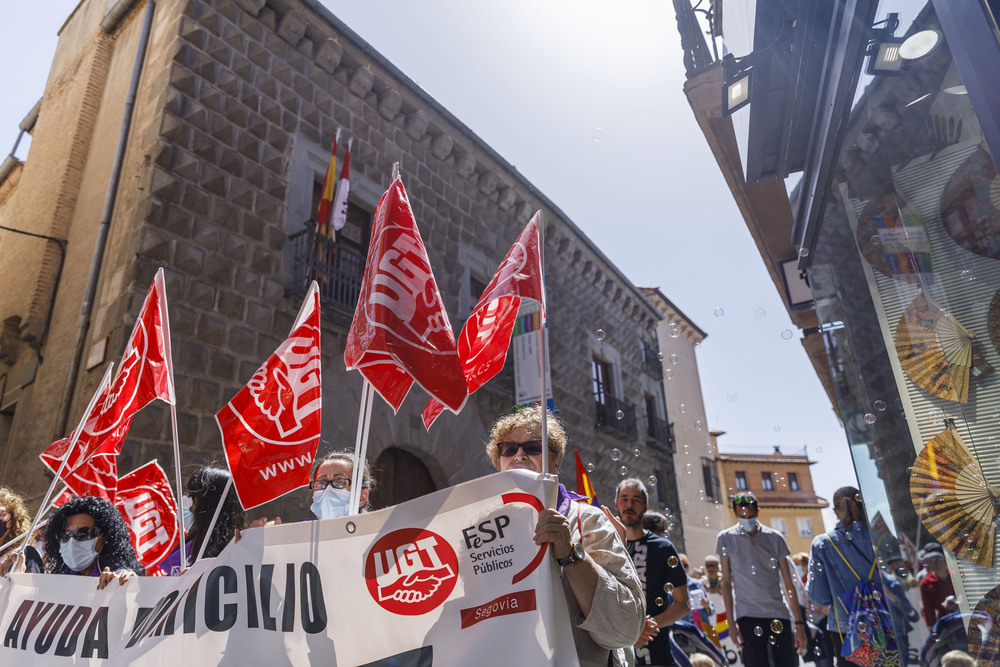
x=583 y=485
x=325 y=209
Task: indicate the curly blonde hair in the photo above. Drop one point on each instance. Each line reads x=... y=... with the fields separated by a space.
x=20 y=520
x=530 y=419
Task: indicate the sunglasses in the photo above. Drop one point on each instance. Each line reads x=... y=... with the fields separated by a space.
x=531 y=448
x=744 y=502
x=339 y=483
x=80 y=534
x=711 y=566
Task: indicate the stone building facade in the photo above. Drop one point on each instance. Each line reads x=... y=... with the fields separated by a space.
x=235 y=111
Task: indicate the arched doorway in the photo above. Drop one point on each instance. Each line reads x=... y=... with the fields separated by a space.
x=401 y=476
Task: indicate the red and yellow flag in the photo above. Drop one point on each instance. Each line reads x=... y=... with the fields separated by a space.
x=583 y=485
x=325 y=209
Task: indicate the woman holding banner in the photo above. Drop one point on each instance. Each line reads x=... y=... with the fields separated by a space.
x=603 y=593
x=87 y=536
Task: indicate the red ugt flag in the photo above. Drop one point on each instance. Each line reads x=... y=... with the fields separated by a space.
x=483 y=343
x=145 y=373
x=400 y=332
x=271 y=428
x=150 y=512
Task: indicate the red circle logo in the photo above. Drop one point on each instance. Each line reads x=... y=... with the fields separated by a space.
x=411 y=571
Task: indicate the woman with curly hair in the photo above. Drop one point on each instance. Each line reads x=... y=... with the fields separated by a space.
x=88 y=537
x=14 y=520
x=204 y=491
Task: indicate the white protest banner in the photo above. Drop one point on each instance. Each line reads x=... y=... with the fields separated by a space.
x=449 y=579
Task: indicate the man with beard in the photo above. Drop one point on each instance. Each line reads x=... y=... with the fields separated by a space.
x=659 y=568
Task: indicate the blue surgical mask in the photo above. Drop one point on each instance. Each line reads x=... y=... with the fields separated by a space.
x=748 y=525
x=78 y=554
x=186 y=514
x=331 y=503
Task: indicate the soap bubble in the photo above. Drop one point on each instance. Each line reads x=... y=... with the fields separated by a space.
x=876 y=239
x=651 y=480
x=772 y=640
x=619 y=414
x=759 y=631
x=869 y=418
x=753 y=569
x=819 y=450
x=600 y=334
x=759 y=314
x=659 y=356
x=723 y=552
x=719 y=312
x=616 y=454
x=777 y=626
x=672 y=561
x=773 y=562
x=658 y=602
x=787 y=334
x=707 y=521
x=880 y=405
x=732 y=397
x=590 y=467
x=803 y=252
x=636 y=452
x=668 y=373
x=623 y=471
x=674 y=359
x=968 y=275
x=597 y=134
x=699 y=424
x=979 y=307
x=777 y=428
x=682 y=407
x=671 y=521
x=674 y=329
x=668 y=587
x=688 y=468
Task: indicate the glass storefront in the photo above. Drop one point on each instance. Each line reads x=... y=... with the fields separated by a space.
x=905 y=273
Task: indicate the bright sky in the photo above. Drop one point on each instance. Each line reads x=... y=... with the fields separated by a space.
x=585 y=98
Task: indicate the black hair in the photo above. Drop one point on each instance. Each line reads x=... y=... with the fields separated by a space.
x=117 y=552
x=205 y=487
x=743 y=498
x=655 y=522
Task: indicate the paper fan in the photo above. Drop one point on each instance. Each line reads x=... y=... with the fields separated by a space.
x=951 y=496
x=893 y=239
x=970 y=205
x=984 y=629
x=935 y=350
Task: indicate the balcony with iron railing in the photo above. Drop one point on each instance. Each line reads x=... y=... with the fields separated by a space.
x=660 y=432
x=336 y=268
x=616 y=415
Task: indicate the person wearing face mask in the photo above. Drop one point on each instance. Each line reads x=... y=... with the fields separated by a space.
x=204 y=492
x=88 y=537
x=603 y=592
x=755 y=573
x=331 y=485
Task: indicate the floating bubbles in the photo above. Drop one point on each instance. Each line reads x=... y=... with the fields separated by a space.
x=723 y=552
x=759 y=631
x=979 y=307
x=699 y=424
x=707 y=522
x=673 y=330
x=876 y=239
x=862 y=626
x=658 y=602
x=857 y=497
x=619 y=414
x=753 y=569
x=772 y=640
x=777 y=626
x=616 y=454
x=819 y=450
x=636 y=452
x=787 y=334
x=674 y=359
x=671 y=521
x=877 y=595
x=803 y=252
x=597 y=134
x=668 y=373
x=651 y=480
x=668 y=587
x=968 y=275
x=590 y=467
x=773 y=563
x=732 y=397
x=759 y=314
x=901 y=571
x=672 y=561
x=600 y=334
x=719 y=312
x=623 y=471
x=688 y=468
x=777 y=428
x=683 y=408
x=659 y=356
x=880 y=405
x=819 y=565
x=869 y=418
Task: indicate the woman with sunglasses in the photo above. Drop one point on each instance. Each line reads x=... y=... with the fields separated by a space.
x=88 y=537
x=204 y=493
x=331 y=485
x=603 y=594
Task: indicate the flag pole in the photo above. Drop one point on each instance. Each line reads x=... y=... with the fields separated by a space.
x=43 y=511
x=69 y=450
x=361 y=444
x=211 y=526
x=544 y=343
x=177 y=480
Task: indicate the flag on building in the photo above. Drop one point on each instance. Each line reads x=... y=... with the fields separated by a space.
x=583 y=484
x=400 y=333
x=342 y=196
x=485 y=338
x=145 y=373
x=325 y=208
x=271 y=428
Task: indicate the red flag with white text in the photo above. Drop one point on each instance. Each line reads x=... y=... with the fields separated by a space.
x=147 y=505
x=271 y=428
x=98 y=476
x=485 y=338
x=400 y=332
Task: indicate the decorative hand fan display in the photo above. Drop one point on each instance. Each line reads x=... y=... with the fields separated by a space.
x=970 y=205
x=893 y=239
x=936 y=351
x=984 y=629
x=951 y=496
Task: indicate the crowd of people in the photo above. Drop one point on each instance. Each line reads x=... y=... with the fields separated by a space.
x=632 y=598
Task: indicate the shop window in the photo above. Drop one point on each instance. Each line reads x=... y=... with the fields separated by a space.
x=779 y=525
x=766 y=481
x=741 y=481
x=805 y=526
x=793 y=482
x=711 y=479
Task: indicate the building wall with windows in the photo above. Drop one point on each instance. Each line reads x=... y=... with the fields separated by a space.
x=784 y=488
x=237 y=107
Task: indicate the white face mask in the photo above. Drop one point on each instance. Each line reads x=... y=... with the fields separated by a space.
x=78 y=554
x=748 y=525
x=186 y=514
x=331 y=503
